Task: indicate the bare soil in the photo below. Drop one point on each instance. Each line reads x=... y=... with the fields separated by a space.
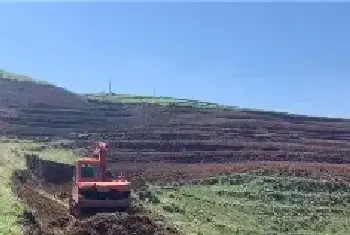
x=141 y=133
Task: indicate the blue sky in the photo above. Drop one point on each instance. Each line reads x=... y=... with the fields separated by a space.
x=291 y=57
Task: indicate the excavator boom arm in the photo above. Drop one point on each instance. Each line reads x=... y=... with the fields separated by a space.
x=102 y=149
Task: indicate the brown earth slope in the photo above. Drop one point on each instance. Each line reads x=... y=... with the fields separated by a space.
x=177 y=134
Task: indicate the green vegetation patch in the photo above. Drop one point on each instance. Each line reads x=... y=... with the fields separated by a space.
x=12 y=158
x=250 y=204
x=159 y=100
x=20 y=78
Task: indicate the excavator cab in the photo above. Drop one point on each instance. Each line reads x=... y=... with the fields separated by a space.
x=89 y=171
x=95 y=188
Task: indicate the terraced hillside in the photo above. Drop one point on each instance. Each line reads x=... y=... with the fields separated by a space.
x=147 y=130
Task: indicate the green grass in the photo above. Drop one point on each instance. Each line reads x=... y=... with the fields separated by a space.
x=248 y=204
x=12 y=158
x=160 y=100
x=21 y=78
x=46 y=152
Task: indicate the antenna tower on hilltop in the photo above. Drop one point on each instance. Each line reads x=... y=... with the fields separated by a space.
x=110 y=87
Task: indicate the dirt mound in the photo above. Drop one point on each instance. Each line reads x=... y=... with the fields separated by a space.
x=49 y=171
x=118 y=224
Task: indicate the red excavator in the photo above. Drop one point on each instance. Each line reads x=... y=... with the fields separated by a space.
x=95 y=188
